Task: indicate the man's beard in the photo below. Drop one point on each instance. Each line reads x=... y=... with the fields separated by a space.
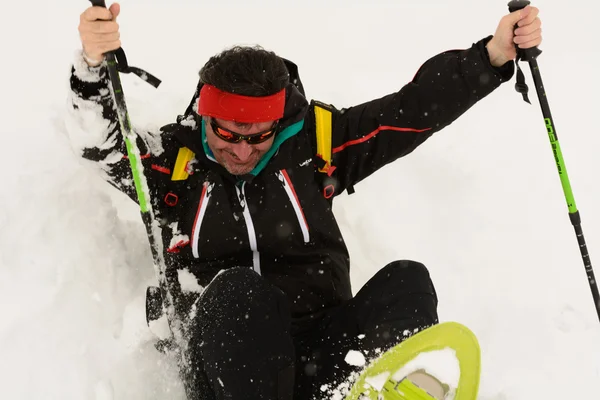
x=235 y=168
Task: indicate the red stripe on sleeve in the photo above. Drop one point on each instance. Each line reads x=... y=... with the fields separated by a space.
x=375 y=132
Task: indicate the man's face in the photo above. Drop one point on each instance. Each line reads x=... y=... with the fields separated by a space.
x=238 y=158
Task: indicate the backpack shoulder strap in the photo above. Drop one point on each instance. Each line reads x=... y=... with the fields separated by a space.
x=323 y=123
x=180 y=171
x=324 y=132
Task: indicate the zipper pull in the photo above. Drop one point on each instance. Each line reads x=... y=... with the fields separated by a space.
x=240 y=192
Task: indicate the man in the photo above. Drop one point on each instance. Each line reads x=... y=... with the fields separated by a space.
x=243 y=185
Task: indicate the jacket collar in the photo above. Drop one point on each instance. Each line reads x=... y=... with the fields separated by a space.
x=192 y=132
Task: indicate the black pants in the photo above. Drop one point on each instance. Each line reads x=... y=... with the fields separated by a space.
x=241 y=347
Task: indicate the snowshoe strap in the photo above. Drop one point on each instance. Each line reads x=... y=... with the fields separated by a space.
x=405 y=390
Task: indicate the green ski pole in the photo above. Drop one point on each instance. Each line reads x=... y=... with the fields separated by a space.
x=530 y=56
x=153 y=228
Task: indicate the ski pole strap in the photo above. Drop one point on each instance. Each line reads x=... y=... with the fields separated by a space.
x=521 y=86
x=526 y=55
x=121 y=60
x=124 y=68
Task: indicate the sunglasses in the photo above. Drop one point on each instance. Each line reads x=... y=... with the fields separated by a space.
x=234 y=137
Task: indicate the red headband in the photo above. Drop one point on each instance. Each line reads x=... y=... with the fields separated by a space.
x=234 y=107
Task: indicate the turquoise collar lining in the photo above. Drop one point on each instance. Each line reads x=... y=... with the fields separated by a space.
x=279 y=139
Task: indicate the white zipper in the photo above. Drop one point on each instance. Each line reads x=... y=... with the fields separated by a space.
x=204 y=197
x=250 y=226
x=289 y=189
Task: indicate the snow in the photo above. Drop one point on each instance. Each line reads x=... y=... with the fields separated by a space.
x=480 y=203
x=378 y=381
x=188 y=281
x=355 y=358
x=160 y=327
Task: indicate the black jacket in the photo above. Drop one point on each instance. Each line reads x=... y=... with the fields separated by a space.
x=280 y=221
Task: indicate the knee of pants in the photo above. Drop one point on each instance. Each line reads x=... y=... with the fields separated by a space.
x=239 y=283
x=238 y=295
x=241 y=334
x=404 y=298
x=407 y=277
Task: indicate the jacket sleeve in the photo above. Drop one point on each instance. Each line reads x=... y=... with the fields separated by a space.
x=368 y=136
x=95 y=134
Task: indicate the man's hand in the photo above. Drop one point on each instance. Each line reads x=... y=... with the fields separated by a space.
x=99 y=32
x=528 y=34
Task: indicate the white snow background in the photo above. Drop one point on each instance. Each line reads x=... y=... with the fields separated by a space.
x=480 y=203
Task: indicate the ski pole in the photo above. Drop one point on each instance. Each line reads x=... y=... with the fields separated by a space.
x=153 y=228
x=530 y=55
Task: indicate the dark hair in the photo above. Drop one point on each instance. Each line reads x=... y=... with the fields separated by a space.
x=248 y=71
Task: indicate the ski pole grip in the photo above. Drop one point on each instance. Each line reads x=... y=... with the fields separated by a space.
x=98 y=3
x=525 y=54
